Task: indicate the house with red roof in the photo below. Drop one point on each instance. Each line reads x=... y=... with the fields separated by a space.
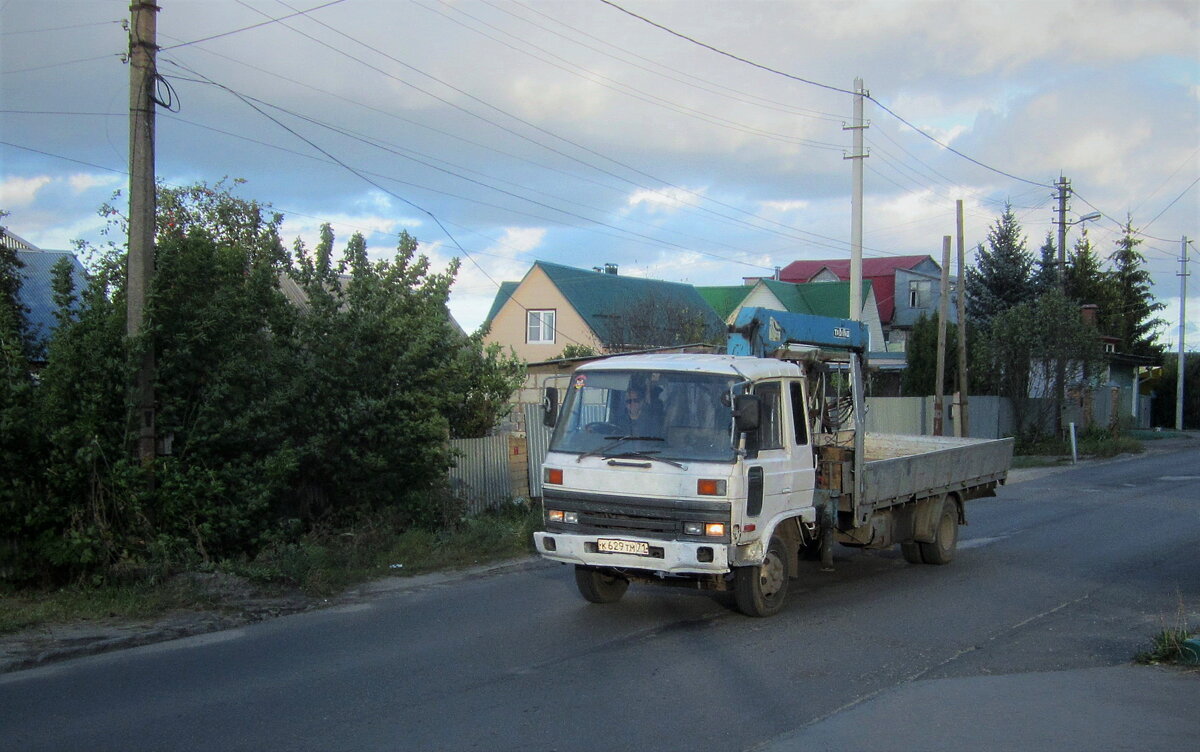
x=906 y=287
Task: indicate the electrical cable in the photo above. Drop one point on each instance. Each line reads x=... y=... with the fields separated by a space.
x=630 y=91
x=251 y=26
x=699 y=196
x=838 y=89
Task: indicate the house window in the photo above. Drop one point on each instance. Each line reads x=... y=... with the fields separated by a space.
x=540 y=328
x=920 y=294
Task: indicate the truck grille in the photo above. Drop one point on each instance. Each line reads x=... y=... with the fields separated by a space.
x=630 y=515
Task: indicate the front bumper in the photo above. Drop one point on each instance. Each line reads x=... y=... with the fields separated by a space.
x=670 y=557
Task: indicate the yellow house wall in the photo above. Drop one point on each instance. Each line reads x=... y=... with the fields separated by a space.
x=537 y=292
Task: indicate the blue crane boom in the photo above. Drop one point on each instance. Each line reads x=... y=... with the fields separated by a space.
x=765 y=333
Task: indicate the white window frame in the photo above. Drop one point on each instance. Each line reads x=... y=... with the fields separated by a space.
x=539 y=326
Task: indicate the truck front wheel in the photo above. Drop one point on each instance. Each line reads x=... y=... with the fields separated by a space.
x=760 y=590
x=599 y=586
x=945 y=536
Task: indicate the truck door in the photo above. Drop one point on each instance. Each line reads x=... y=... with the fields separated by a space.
x=769 y=474
x=804 y=476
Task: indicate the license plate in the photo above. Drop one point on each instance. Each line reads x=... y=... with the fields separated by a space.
x=613 y=546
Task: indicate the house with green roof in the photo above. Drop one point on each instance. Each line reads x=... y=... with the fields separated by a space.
x=554 y=306
x=816 y=298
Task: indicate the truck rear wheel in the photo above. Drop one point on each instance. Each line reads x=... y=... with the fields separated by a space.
x=760 y=590
x=912 y=553
x=945 y=536
x=598 y=585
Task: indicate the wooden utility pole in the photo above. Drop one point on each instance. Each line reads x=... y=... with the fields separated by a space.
x=939 y=407
x=963 y=424
x=140 y=263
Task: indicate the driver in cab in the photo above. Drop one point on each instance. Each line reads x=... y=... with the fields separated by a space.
x=643 y=416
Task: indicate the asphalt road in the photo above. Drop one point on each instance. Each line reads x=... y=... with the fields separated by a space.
x=1074 y=570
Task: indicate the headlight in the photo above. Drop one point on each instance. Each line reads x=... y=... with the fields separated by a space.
x=693 y=528
x=715 y=529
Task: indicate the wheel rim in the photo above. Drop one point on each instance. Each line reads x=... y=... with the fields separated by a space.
x=770 y=575
x=946 y=531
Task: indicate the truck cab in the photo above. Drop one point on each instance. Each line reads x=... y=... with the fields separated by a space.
x=697 y=489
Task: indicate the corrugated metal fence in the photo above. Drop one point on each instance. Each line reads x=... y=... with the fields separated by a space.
x=538 y=437
x=481 y=477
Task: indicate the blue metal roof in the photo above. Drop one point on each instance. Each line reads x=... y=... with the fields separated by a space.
x=37 y=288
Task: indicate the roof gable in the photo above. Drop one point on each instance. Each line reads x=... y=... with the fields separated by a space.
x=602 y=299
x=819 y=298
x=725 y=299
x=881 y=271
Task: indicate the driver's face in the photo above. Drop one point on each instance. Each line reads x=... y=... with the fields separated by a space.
x=633 y=403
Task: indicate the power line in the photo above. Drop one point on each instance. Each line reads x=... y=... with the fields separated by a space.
x=251 y=26
x=828 y=87
x=697 y=195
x=626 y=89
x=711 y=87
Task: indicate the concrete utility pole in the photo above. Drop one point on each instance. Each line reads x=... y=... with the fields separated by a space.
x=1183 y=275
x=1064 y=191
x=856 y=202
x=963 y=424
x=143 y=47
x=1060 y=371
x=939 y=401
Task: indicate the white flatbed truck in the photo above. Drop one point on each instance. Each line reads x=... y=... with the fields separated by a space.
x=756 y=464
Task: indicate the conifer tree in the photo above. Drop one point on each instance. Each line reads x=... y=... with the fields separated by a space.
x=1003 y=273
x=1135 y=321
x=1046 y=275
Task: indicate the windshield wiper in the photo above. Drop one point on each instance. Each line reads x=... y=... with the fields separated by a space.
x=616 y=440
x=648 y=455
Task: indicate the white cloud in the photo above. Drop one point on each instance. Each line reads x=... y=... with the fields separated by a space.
x=21 y=192
x=786 y=205
x=665 y=199
x=82 y=182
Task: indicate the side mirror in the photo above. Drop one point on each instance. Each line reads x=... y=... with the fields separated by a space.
x=747 y=409
x=550 y=407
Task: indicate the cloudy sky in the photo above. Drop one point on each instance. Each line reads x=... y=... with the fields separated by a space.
x=508 y=131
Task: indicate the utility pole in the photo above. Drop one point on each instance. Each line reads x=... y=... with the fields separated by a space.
x=856 y=202
x=1183 y=275
x=1060 y=371
x=939 y=407
x=963 y=383
x=143 y=48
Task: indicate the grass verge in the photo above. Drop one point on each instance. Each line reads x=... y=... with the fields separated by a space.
x=320 y=564
x=1168 y=645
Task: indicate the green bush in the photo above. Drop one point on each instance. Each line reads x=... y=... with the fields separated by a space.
x=287 y=418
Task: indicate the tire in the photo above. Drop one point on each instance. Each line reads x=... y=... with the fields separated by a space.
x=912 y=553
x=598 y=585
x=761 y=590
x=945 y=536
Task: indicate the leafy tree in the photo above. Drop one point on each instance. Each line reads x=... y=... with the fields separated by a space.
x=1165 y=391
x=920 y=374
x=656 y=321
x=1135 y=322
x=577 y=351
x=1019 y=351
x=278 y=409
x=1002 y=275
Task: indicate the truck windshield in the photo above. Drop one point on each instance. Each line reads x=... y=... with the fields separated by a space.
x=668 y=415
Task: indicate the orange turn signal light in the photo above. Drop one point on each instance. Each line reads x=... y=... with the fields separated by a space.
x=553 y=476
x=710 y=487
